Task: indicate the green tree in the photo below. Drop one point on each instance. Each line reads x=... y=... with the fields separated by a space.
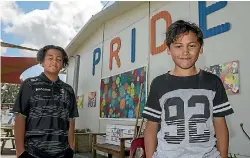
x=9 y=92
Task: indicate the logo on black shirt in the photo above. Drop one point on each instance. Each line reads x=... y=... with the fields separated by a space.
x=62 y=91
x=43 y=89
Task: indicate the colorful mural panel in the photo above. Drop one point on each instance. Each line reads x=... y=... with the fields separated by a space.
x=119 y=94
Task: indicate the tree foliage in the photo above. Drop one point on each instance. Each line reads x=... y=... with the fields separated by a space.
x=9 y=92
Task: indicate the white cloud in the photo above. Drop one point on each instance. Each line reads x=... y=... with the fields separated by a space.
x=56 y=25
x=28 y=53
x=9 y=11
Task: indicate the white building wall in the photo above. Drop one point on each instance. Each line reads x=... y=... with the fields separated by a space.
x=89 y=117
x=231 y=45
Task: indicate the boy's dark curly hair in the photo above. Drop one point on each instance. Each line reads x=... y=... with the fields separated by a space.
x=180 y=27
x=42 y=53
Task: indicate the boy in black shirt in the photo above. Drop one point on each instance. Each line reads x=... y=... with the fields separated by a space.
x=45 y=110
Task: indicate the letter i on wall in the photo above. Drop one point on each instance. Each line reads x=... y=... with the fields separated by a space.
x=133 y=45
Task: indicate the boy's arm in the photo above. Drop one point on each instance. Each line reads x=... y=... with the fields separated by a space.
x=71 y=135
x=221 y=132
x=152 y=112
x=73 y=113
x=21 y=111
x=19 y=132
x=150 y=138
x=221 y=108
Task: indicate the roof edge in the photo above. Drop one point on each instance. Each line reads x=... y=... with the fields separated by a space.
x=97 y=20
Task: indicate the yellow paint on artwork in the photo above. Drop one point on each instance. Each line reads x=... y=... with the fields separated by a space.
x=110 y=111
x=122 y=103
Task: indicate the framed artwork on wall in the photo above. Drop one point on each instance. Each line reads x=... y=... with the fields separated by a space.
x=120 y=94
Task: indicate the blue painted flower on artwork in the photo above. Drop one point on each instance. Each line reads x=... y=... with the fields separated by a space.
x=130 y=101
x=127 y=98
x=143 y=97
x=131 y=113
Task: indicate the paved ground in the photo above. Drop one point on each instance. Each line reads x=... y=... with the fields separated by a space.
x=10 y=153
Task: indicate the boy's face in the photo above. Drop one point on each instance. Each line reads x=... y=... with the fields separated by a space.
x=185 y=50
x=53 y=61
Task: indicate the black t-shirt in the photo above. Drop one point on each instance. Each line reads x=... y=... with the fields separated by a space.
x=185 y=108
x=47 y=106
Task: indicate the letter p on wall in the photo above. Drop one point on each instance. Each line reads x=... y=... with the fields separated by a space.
x=97 y=52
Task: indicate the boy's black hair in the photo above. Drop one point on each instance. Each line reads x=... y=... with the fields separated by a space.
x=179 y=28
x=42 y=53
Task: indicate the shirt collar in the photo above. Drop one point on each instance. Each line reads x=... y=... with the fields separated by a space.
x=45 y=78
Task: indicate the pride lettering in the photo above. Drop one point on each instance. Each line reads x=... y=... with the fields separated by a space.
x=204 y=11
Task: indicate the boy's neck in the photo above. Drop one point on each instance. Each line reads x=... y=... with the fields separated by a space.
x=52 y=77
x=182 y=72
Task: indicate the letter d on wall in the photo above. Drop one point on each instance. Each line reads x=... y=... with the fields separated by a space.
x=96 y=61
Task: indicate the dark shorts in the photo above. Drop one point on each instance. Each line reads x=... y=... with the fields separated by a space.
x=68 y=153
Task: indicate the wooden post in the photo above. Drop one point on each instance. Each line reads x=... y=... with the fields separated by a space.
x=138 y=133
x=93 y=150
x=122 y=148
x=138 y=113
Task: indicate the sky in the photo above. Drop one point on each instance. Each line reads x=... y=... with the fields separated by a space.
x=38 y=23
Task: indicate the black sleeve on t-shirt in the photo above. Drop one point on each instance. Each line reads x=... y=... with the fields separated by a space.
x=21 y=105
x=152 y=111
x=221 y=105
